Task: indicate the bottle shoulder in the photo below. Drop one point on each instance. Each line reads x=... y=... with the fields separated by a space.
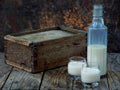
x=102 y=26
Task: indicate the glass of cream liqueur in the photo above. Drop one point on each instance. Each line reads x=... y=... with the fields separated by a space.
x=90 y=75
x=75 y=65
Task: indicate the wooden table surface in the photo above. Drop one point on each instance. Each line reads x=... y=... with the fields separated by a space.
x=56 y=79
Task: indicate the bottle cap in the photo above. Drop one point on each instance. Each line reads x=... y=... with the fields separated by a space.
x=98 y=10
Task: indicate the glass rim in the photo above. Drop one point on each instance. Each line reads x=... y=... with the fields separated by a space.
x=77 y=58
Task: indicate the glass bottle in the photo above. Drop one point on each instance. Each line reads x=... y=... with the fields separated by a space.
x=97 y=40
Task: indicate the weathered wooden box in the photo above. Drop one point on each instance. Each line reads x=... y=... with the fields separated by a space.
x=36 y=51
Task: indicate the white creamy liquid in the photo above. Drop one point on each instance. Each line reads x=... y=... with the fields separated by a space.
x=89 y=75
x=74 y=68
x=98 y=54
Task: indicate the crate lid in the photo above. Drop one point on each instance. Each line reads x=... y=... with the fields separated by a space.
x=43 y=36
x=27 y=38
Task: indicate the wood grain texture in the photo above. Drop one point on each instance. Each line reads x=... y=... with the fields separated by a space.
x=58 y=78
x=40 y=55
x=18 y=55
x=15 y=39
x=114 y=71
x=21 y=80
x=114 y=62
x=72 y=29
x=4 y=70
x=103 y=85
x=55 y=79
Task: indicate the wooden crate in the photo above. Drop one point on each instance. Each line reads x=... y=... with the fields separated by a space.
x=36 y=51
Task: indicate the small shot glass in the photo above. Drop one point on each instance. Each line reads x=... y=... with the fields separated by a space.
x=75 y=65
x=90 y=75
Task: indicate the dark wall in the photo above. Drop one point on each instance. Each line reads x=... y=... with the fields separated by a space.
x=20 y=15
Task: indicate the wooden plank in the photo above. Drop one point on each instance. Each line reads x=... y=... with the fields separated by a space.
x=72 y=29
x=22 y=80
x=55 y=79
x=103 y=85
x=27 y=31
x=4 y=70
x=114 y=62
x=76 y=85
x=104 y=81
x=114 y=71
x=114 y=80
x=19 y=41
x=18 y=55
x=58 y=79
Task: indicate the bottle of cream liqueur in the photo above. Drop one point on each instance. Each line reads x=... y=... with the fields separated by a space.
x=97 y=41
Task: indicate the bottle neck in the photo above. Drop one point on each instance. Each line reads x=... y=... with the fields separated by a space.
x=97 y=20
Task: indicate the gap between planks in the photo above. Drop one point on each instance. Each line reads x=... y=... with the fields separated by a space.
x=7 y=77
x=41 y=80
x=22 y=80
x=5 y=70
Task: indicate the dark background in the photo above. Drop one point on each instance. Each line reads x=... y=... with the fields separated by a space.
x=21 y=15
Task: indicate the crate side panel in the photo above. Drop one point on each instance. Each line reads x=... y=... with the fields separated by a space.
x=18 y=55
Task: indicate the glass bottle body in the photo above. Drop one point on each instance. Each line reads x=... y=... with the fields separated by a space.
x=97 y=44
